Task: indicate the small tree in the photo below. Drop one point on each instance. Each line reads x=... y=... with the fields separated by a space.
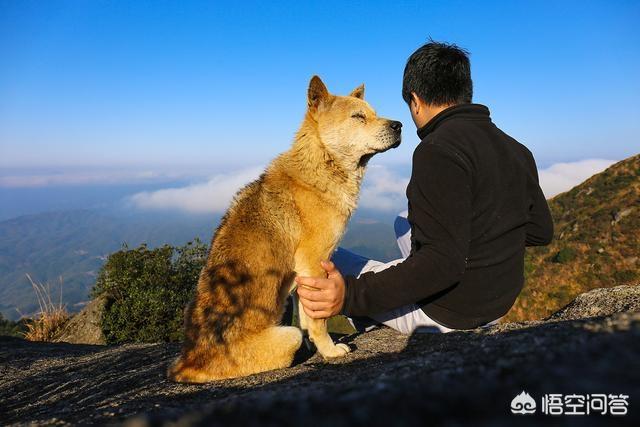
x=147 y=290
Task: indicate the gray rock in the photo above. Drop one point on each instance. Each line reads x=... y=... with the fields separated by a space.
x=600 y=302
x=84 y=327
x=458 y=378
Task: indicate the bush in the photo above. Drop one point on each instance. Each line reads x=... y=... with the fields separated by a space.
x=564 y=255
x=625 y=276
x=11 y=328
x=529 y=266
x=147 y=290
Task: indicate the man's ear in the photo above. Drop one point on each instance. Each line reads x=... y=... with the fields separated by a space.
x=358 y=92
x=317 y=94
x=416 y=102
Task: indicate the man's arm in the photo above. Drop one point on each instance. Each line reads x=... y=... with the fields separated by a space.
x=441 y=207
x=539 y=228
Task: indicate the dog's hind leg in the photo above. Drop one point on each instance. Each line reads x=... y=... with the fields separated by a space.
x=272 y=348
x=302 y=318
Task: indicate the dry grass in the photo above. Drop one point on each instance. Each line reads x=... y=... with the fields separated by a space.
x=46 y=324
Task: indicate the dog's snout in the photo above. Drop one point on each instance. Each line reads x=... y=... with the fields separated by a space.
x=395 y=125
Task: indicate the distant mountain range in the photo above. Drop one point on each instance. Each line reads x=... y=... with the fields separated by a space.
x=71 y=246
x=596 y=242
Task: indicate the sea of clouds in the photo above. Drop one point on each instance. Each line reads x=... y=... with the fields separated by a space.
x=383 y=188
x=561 y=177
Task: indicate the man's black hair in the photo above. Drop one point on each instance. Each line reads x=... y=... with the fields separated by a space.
x=439 y=73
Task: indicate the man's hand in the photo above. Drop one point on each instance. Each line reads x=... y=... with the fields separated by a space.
x=322 y=298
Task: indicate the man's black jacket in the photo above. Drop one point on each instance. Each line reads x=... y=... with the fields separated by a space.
x=474 y=203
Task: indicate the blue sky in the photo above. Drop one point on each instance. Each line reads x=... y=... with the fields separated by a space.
x=218 y=85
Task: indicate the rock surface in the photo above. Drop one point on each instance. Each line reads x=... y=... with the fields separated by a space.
x=84 y=327
x=600 y=302
x=457 y=378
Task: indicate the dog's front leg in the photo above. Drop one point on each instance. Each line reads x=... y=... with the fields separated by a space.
x=307 y=264
x=317 y=328
x=320 y=337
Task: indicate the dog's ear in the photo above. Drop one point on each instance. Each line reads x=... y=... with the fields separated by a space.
x=317 y=94
x=358 y=92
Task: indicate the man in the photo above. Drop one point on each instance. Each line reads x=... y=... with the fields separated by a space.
x=474 y=203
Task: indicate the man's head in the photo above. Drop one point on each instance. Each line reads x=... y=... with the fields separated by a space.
x=437 y=76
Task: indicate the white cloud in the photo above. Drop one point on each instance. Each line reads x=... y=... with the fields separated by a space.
x=383 y=190
x=561 y=177
x=211 y=196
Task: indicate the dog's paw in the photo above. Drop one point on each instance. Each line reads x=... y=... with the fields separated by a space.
x=335 y=351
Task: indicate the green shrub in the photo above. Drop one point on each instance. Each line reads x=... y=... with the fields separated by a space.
x=564 y=255
x=561 y=294
x=625 y=276
x=147 y=290
x=11 y=328
x=529 y=266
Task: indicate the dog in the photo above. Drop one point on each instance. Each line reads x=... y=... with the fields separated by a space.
x=280 y=225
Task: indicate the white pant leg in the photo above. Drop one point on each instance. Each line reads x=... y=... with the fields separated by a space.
x=408 y=318
x=403 y=233
x=404 y=319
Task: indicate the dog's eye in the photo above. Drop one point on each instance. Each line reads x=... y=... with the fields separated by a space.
x=359 y=116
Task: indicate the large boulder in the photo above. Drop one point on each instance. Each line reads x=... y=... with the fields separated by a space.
x=84 y=327
x=600 y=302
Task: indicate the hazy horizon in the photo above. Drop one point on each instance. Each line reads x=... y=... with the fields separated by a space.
x=146 y=192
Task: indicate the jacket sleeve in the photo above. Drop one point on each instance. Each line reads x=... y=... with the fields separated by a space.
x=440 y=198
x=539 y=227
